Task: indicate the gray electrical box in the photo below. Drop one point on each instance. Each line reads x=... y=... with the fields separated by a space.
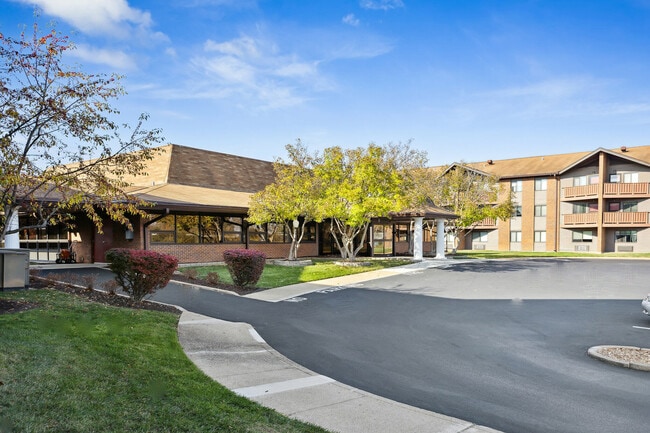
x=14 y=269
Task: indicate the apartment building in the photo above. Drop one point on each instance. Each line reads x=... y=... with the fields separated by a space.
x=595 y=201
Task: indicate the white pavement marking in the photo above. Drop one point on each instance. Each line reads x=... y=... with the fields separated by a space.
x=288 y=385
x=641 y=327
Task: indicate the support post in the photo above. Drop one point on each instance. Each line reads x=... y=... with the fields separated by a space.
x=440 y=238
x=417 y=238
x=13 y=240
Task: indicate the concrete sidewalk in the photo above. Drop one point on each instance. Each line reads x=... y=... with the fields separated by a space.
x=237 y=357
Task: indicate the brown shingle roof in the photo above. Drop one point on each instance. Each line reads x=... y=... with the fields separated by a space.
x=550 y=164
x=180 y=176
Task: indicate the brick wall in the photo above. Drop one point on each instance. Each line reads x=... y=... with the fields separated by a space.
x=207 y=253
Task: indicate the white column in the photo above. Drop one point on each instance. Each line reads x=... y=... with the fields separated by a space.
x=13 y=240
x=440 y=238
x=417 y=239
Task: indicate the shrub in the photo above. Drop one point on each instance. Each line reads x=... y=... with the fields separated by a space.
x=191 y=273
x=140 y=273
x=212 y=278
x=245 y=266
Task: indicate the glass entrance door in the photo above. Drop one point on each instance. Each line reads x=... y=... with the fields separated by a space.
x=382 y=239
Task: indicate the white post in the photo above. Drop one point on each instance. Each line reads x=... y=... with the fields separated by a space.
x=417 y=239
x=440 y=239
x=13 y=240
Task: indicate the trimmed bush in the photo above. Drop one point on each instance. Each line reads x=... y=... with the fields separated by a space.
x=245 y=266
x=140 y=273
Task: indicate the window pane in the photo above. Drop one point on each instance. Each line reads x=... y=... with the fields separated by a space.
x=162 y=237
x=211 y=229
x=516 y=211
x=540 y=184
x=540 y=236
x=166 y=223
x=614 y=207
x=187 y=229
x=276 y=233
x=540 y=210
x=630 y=206
x=257 y=233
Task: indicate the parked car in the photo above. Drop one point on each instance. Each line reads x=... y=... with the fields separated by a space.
x=646 y=305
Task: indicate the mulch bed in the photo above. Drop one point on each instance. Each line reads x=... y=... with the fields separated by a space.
x=14 y=306
x=11 y=306
x=222 y=286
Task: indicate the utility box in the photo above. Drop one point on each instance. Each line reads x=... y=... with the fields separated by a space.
x=14 y=269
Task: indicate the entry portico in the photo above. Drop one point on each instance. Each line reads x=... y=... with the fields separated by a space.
x=427 y=212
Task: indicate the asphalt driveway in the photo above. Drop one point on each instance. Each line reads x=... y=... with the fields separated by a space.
x=501 y=344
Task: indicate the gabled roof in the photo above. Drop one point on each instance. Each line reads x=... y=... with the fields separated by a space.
x=551 y=165
x=186 y=178
x=181 y=165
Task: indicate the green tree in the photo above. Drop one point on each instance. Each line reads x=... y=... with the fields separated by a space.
x=359 y=184
x=470 y=194
x=61 y=149
x=291 y=199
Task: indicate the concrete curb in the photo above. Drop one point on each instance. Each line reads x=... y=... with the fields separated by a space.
x=595 y=352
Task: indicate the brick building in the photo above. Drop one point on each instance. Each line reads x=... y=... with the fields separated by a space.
x=595 y=201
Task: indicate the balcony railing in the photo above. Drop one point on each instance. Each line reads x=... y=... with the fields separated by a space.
x=627 y=189
x=487 y=222
x=581 y=219
x=609 y=219
x=625 y=218
x=580 y=191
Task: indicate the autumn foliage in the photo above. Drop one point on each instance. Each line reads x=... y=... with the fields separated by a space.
x=245 y=266
x=141 y=273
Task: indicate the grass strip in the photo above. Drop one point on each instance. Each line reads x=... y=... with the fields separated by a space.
x=278 y=276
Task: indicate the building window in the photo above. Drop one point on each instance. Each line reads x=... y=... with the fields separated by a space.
x=480 y=236
x=257 y=233
x=516 y=185
x=625 y=206
x=401 y=233
x=585 y=207
x=540 y=184
x=626 y=236
x=163 y=231
x=583 y=236
x=310 y=232
x=211 y=229
x=540 y=210
x=515 y=236
x=630 y=177
x=540 y=236
x=232 y=230
x=516 y=211
x=585 y=180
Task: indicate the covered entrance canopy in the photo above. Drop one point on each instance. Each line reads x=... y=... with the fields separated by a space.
x=428 y=211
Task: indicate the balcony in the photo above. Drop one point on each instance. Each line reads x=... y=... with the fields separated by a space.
x=610 y=190
x=581 y=219
x=626 y=190
x=580 y=192
x=487 y=223
x=610 y=219
x=615 y=219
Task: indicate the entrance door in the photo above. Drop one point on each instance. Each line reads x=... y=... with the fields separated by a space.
x=382 y=239
x=103 y=242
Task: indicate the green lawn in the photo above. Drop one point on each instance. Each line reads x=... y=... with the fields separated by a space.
x=277 y=276
x=75 y=366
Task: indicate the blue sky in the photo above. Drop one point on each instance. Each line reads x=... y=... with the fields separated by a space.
x=465 y=80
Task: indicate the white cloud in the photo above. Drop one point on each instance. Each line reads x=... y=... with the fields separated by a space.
x=107 y=17
x=381 y=4
x=113 y=58
x=350 y=19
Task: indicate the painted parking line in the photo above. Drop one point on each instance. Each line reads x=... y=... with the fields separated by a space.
x=641 y=327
